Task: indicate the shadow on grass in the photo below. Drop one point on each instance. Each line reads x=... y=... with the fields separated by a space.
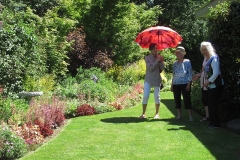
x=138 y=120
x=124 y=120
x=222 y=143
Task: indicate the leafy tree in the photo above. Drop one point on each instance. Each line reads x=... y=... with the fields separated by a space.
x=112 y=26
x=139 y=2
x=14 y=5
x=18 y=50
x=39 y=8
x=73 y=9
x=53 y=31
x=83 y=55
x=32 y=46
x=106 y=31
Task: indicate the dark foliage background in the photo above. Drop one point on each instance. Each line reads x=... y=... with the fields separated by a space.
x=39 y=7
x=181 y=17
x=224 y=30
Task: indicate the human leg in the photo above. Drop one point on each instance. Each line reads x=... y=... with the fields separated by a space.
x=179 y=114
x=157 y=111
x=205 y=104
x=146 y=93
x=144 y=107
x=177 y=99
x=187 y=100
x=206 y=118
x=213 y=99
x=190 y=114
x=157 y=100
x=207 y=112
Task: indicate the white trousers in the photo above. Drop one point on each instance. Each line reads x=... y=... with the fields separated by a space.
x=146 y=93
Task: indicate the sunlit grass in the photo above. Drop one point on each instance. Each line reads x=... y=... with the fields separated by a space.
x=122 y=135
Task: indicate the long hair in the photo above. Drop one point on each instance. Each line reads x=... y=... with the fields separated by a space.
x=209 y=47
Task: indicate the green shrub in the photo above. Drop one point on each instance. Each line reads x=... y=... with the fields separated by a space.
x=103 y=92
x=11 y=146
x=71 y=106
x=94 y=84
x=166 y=88
x=13 y=110
x=196 y=96
x=141 y=68
x=129 y=74
x=5 y=110
x=167 y=81
x=31 y=45
x=20 y=54
x=89 y=74
x=45 y=83
x=169 y=59
x=115 y=73
x=68 y=88
x=85 y=85
x=103 y=108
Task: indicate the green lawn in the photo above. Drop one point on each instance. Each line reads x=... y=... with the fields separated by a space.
x=122 y=135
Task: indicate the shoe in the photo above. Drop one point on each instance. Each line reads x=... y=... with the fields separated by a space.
x=156 y=116
x=190 y=119
x=142 y=116
x=205 y=119
x=179 y=117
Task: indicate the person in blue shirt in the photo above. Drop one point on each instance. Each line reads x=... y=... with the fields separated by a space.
x=181 y=82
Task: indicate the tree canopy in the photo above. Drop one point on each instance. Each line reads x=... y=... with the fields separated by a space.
x=108 y=29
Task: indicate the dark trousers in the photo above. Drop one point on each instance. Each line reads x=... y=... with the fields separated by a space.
x=214 y=98
x=204 y=97
x=179 y=90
